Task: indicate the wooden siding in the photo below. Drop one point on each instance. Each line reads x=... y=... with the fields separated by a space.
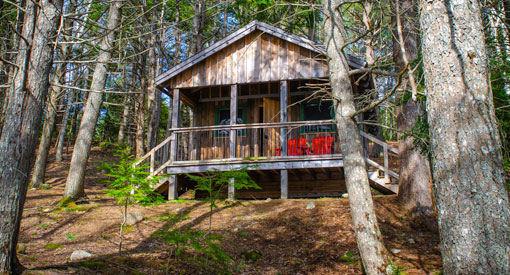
x=259 y=57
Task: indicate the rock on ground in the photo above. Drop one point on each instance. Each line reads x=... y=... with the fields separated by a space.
x=134 y=218
x=310 y=205
x=80 y=255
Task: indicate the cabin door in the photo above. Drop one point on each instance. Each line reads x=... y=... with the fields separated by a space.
x=271 y=138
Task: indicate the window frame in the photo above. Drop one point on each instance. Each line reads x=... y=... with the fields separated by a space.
x=244 y=116
x=309 y=129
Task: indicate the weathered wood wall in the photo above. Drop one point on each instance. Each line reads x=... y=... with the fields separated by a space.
x=258 y=57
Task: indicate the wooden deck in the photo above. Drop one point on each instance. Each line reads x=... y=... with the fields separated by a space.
x=183 y=153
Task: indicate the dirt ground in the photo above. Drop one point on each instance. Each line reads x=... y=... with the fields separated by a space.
x=284 y=236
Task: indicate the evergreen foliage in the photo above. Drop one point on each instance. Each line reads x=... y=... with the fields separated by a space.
x=215 y=181
x=129 y=183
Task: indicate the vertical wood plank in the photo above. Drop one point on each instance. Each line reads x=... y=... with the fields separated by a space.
x=249 y=57
x=234 y=62
x=221 y=66
x=212 y=80
x=264 y=56
x=241 y=60
x=188 y=75
x=226 y=62
x=284 y=53
x=207 y=71
x=273 y=59
x=304 y=62
x=194 y=70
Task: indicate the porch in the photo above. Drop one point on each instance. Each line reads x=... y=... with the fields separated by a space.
x=301 y=153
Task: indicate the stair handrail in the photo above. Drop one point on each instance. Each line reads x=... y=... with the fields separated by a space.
x=386 y=148
x=152 y=169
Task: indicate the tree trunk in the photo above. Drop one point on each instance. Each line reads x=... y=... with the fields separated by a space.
x=63 y=128
x=23 y=121
x=153 y=94
x=74 y=185
x=12 y=56
x=140 y=125
x=39 y=171
x=198 y=26
x=415 y=183
x=374 y=255
x=415 y=194
x=121 y=138
x=469 y=179
x=506 y=6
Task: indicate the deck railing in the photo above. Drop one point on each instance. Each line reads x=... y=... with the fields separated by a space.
x=380 y=155
x=251 y=142
x=301 y=139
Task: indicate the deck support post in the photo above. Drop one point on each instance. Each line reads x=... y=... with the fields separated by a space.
x=284 y=176
x=233 y=135
x=176 y=105
x=284 y=183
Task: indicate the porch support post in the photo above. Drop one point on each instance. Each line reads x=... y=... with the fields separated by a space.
x=283 y=138
x=176 y=106
x=233 y=135
x=284 y=180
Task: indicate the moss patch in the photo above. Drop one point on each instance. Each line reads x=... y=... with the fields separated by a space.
x=53 y=246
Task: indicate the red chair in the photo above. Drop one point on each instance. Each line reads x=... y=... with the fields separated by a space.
x=295 y=147
x=322 y=145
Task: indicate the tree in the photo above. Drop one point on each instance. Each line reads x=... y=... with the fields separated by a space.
x=414 y=192
x=74 y=185
x=374 y=255
x=469 y=179
x=39 y=170
x=23 y=120
x=129 y=183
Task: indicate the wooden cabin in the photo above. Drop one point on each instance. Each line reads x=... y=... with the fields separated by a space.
x=254 y=101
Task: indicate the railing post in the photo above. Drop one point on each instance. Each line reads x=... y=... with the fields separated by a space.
x=233 y=135
x=386 y=162
x=151 y=169
x=176 y=104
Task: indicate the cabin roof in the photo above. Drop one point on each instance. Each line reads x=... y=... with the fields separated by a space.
x=241 y=33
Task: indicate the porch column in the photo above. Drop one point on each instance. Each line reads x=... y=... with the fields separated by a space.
x=233 y=135
x=176 y=106
x=284 y=179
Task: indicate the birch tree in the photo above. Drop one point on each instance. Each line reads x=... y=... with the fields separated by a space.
x=469 y=179
x=22 y=122
x=374 y=255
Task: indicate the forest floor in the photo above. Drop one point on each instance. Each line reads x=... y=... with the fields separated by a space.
x=261 y=236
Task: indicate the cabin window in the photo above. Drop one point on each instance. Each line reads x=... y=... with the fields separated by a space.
x=222 y=117
x=317 y=110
